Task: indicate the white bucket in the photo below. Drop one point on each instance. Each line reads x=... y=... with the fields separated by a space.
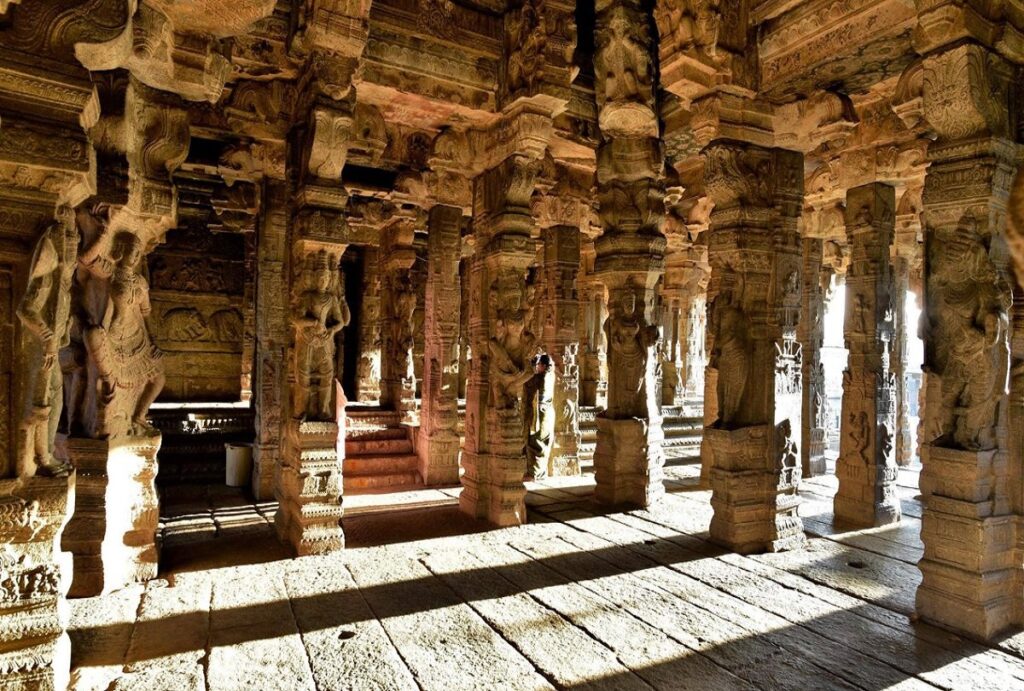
x=239 y=464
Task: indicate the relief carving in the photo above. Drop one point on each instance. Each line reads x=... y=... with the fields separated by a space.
x=321 y=312
x=45 y=315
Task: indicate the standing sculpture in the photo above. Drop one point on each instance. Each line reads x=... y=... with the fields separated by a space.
x=731 y=354
x=322 y=312
x=630 y=340
x=971 y=302
x=510 y=350
x=45 y=313
x=128 y=363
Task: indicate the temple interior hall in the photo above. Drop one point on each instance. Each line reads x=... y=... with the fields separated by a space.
x=511 y=344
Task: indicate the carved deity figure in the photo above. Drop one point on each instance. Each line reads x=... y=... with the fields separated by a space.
x=403 y=325
x=787 y=455
x=630 y=341
x=971 y=303
x=696 y=25
x=526 y=43
x=622 y=63
x=510 y=350
x=539 y=416
x=321 y=314
x=45 y=314
x=731 y=354
x=128 y=364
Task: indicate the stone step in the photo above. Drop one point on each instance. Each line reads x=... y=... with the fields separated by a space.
x=371 y=433
x=377 y=447
x=356 y=483
x=356 y=466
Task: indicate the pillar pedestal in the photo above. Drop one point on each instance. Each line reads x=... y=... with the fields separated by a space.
x=493 y=486
x=35 y=651
x=112 y=533
x=755 y=504
x=628 y=462
x=969 y=566
x=310 y=486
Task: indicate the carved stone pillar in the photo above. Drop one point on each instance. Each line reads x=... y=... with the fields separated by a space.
x=271 y=336
x=561 y=341
x=113 y=367
x=368 y=373
x=438 y=443
x=493 y=454
x=867 y=455
x=398 y=295
x=309 y=482
x=594 y=383
x=630 y=253
x=694 y=355
x=672 y=366
x=971 y=566
x=901 y=282
x=812 y=335
x=755 y=256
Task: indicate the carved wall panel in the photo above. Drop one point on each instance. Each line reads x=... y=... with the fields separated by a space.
x=198 y=295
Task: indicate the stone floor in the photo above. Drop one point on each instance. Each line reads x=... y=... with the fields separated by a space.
x=579 y=598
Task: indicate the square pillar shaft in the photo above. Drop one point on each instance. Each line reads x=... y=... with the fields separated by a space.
x=867 y=456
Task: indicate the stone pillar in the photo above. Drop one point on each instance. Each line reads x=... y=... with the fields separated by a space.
x=630 y=253
x=248 y=319
x=594 y=384
x=438 y=442
x=901 y=282
x=971 y=568
x=271 y=336
x=398 y=380
x=812 y=335
x=755 y=255
x=561 y=341
x=493 y=453
x=672 y=367
x=867 y=449
x=309 y=481
x=114 y=369
x=694 y=356
x=368 y=373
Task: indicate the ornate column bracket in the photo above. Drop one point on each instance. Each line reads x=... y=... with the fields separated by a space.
x=867 y=457
x=754 y=251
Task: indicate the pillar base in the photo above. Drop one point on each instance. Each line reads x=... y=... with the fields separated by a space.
x=971 y=581
x=563 y=462
x=857 y=503
x=629 y=462
x=439 y=457
x=264 y=461
x=493 y=486
x=755 y=502
x=34 y=578
x=309 y=489
x=112 y=533
x=815 y=463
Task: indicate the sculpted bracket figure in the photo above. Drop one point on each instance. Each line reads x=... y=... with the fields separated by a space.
x=45 y=315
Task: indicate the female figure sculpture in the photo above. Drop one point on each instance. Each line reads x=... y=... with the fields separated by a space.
x=128 y=362
x=629 y=341
x=731 y=356
x=322 y=314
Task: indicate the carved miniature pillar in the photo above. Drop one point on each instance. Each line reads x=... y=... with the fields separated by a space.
x=594 y=384
x=418 y=276
x=671 y=355
x=493 y=453
x=464 y=342
x=971 y=568
x=812 y=335
x=867 y=456
x=901 y=282
x=369 y=368
x=438 y=443
x=561 y=342
x=755 y=256
x=398 y=294
x=271 y=336
x=694 y=355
